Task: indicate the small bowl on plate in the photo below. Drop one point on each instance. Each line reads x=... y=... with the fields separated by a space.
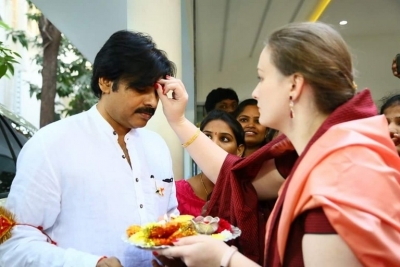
x=206 y=225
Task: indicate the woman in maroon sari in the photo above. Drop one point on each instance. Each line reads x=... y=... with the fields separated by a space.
x=339 y=205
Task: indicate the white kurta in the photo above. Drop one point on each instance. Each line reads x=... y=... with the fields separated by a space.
x=73 y=180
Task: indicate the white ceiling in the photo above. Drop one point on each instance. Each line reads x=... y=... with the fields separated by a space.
x=230 y=34
x=365 y=17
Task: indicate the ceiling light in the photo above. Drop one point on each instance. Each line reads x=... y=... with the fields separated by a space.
x=343 y=22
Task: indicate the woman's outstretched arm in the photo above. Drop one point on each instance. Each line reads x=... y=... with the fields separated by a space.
x=204 y=152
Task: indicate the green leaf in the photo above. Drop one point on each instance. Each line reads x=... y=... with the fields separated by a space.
x=10 y=59
x=18 y=55
x=10 y=68
x=3 y=70
x=4 y=25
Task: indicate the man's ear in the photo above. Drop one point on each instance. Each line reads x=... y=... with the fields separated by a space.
x=105 y=85
x=240 y=150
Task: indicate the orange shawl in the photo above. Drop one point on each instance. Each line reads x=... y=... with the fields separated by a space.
x=353 y=172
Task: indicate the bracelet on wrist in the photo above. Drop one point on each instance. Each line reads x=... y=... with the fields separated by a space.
x=226 y=258
x=191 y=140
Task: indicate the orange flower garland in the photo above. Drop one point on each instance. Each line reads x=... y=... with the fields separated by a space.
x=7 y=222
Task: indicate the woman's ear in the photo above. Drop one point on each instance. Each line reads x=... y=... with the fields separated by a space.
x=297 y=81
x=240 y=150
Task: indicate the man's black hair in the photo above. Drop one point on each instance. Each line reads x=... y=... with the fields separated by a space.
x=217 y=95
x=132 y=57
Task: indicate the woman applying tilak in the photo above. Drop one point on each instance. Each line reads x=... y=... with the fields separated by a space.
x=323 y=216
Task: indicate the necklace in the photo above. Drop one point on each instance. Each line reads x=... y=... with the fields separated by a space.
x=201 y=179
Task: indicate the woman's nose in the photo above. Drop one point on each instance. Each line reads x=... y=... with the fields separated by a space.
x=250 y=123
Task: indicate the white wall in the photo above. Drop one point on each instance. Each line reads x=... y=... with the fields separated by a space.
x=373 y=58
x=241 y=76
x=149 y=17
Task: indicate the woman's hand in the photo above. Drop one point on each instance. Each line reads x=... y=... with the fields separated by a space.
x=196 y=251
x=174 y=108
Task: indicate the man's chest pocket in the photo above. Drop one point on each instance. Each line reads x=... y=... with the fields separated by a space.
x=158 y=193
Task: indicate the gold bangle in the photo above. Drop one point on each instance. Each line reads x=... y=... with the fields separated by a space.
x=191 y=140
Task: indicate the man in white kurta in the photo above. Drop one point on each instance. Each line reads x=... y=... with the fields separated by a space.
x=86 y=199
x=76 y=180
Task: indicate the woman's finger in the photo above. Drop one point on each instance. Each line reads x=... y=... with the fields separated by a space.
x=174 y=252
x=174 y=98
x=189 y=240
x=160 y=91
x=177 y=87
x=181 y=246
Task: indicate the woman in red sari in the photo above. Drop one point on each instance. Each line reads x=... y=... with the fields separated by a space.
x=340 y=204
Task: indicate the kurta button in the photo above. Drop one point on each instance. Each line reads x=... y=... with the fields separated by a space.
x=141 y=206
x=137 y=179
x=123 y=156
x=114 y=133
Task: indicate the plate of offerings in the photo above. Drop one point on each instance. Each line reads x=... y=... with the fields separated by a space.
x=162 y=234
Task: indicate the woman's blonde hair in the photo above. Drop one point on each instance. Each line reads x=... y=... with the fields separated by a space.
x=320 y=54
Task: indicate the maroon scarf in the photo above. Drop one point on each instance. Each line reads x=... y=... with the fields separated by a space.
x=235 y=199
